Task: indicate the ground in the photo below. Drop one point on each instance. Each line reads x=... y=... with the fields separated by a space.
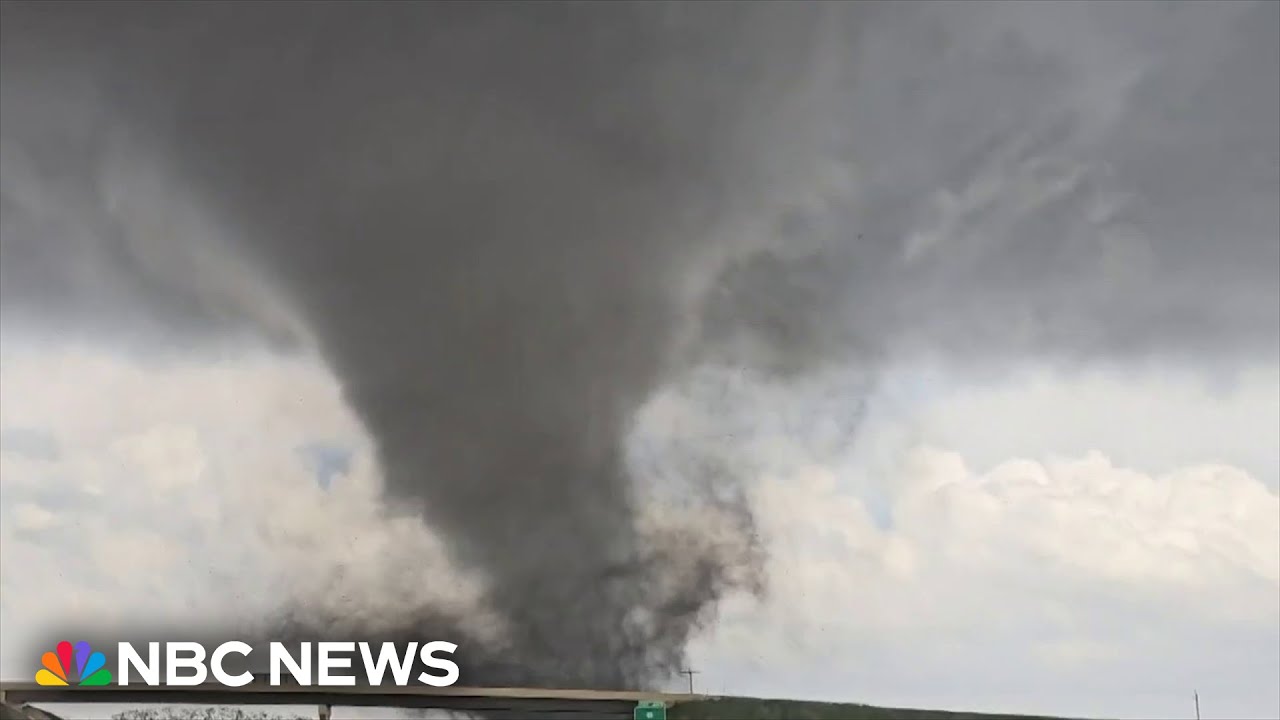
x=752 y=709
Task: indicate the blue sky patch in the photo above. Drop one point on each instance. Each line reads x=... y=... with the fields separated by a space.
x=325 y=462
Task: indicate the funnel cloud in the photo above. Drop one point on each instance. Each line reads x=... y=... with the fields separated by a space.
x=489 y=218
x=505 y=226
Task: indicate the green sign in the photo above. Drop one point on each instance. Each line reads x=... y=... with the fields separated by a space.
x=650 y=711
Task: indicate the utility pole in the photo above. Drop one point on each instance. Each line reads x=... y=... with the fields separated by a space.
x=690 y=673
x=1197 y=696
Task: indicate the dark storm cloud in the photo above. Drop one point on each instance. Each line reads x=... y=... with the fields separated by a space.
x=488 y=216
x=494 y=219
x=1077 y=181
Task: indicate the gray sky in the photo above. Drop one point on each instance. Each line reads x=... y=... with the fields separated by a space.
x=975 y=306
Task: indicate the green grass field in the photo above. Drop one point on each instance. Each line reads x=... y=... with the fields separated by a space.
x=722 y=709
x=751 y=709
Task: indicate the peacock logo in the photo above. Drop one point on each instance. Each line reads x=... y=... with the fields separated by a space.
x=89 y=667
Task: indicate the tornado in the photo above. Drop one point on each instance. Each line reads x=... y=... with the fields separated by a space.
x=494 y=220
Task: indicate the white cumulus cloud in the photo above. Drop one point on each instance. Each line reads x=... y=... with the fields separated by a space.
x=938 y=573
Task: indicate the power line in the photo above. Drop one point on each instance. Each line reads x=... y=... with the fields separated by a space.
x=690 y=673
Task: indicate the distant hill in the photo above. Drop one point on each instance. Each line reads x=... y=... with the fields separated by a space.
x=717 y=709
x=752 y=709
